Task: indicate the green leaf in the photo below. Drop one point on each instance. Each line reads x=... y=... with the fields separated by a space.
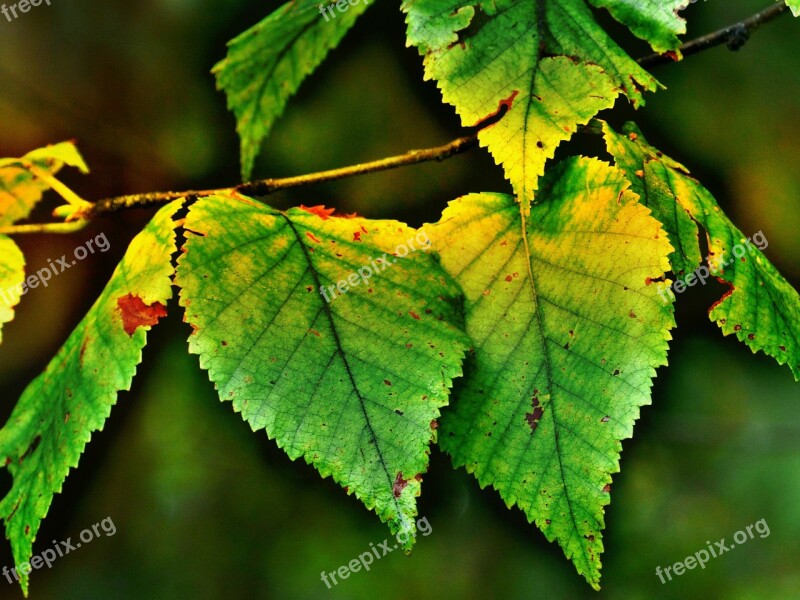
x=794 y=5
x=568 y=331
x=267 y=63
x=761 y=308
x=548 y=62
x=655 y=21
x=12 y=274
x=20 y=191
x=58 y=412
x=353 y=386
x=650 y=180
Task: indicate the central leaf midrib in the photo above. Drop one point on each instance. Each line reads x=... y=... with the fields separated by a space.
x=548 y=367
x=341 y=352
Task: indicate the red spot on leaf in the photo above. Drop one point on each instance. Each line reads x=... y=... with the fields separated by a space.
x=135 y=313
x=434 y=424
x=312 y=237
x=504 y=105
x=356 y=236
x=607 y=488
x=413 y=314
x=319 y=210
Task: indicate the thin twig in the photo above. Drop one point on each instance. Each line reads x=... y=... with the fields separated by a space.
x=264 y=187
x=735 y=36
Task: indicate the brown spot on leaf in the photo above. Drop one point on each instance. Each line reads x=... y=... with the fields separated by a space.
x=535 y=415
x=607 y=488
x=387 y=382
x=135 y=313
x=399 y=485
x=605 y=419
x=413 y=314
x=434 y=424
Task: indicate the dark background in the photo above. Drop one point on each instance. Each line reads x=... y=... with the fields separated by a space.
x=206 y=509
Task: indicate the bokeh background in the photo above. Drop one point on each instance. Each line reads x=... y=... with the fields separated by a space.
x=204 y=508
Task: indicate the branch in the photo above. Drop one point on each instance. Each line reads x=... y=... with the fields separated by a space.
x=264 y=187
x=735 y=36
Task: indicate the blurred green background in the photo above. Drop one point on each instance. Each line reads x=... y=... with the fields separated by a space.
x=206 y=509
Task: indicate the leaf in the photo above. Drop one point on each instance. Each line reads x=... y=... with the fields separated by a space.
x=267 y=63
x=548 y=63
x=354 y=386
x=12 y=274
x=794 y=6
x=649 y=179
x=761 y=308
x=655 y=21
x=58 y=412
x=568 y=331
x=20 y=191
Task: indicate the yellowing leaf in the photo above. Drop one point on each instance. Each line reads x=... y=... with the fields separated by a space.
x=20 y=191
x=353 y=384
x=548 y=64
x=12 y=274
x=568 y=330
x=58 y=412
